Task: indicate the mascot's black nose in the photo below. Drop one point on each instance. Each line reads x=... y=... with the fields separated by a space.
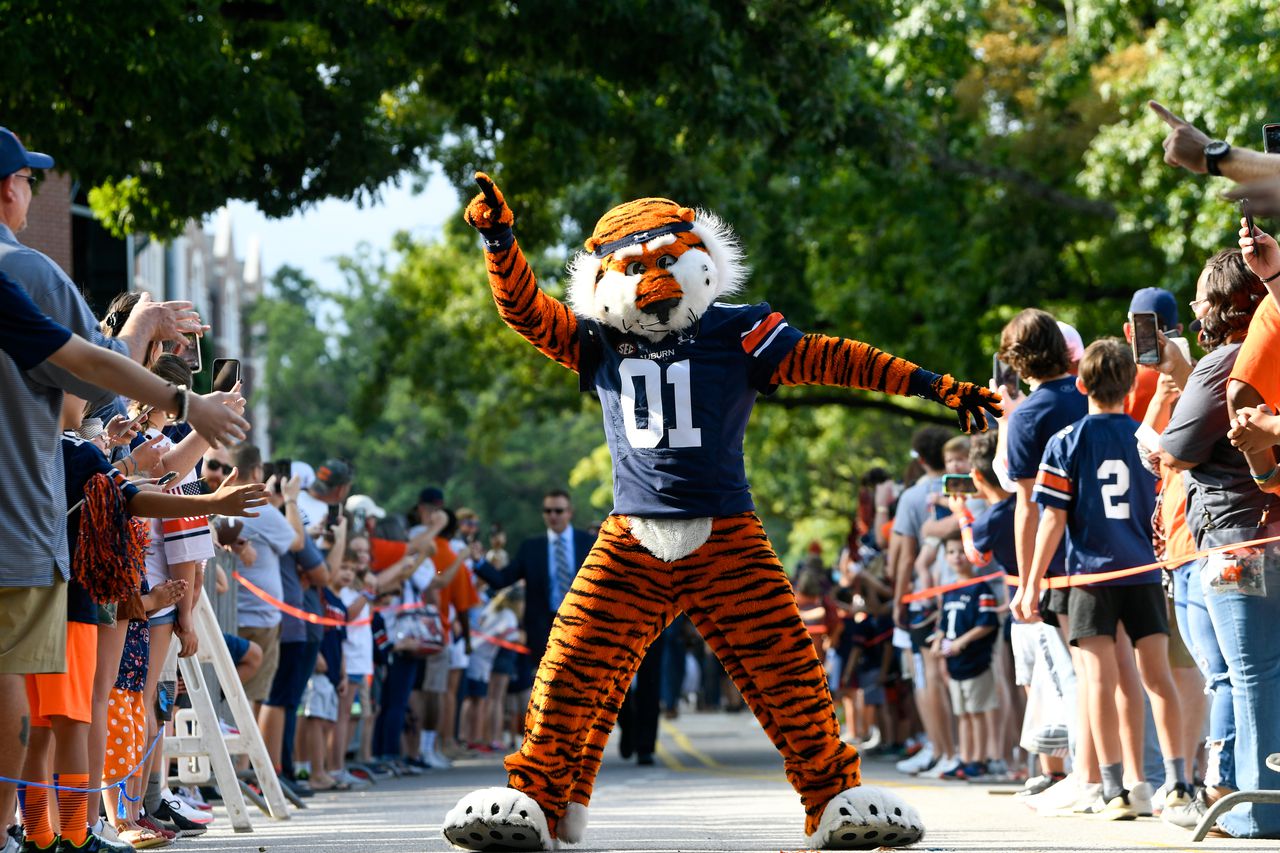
x=662 y=308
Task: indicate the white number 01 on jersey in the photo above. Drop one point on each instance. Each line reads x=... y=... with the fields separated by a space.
x=684 y=433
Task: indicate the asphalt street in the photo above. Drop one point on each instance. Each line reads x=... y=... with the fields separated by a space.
x=717 y=786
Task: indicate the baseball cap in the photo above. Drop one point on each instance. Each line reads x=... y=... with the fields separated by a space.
x=14 y=155
x=364 y=505
x=1075 y=343
x=431 y=495
x=331 y=475
x=1158 y=301
x=305 y=473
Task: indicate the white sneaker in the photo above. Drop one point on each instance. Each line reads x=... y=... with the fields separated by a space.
x=944 y=766
x=106 y=831
x=872 y=740
x=922 y=760
x=11 y=842
x=1063 y=795
x=436 y=761
x=1141 y=797
x=177 y=805
x=1090 y=801
x=355 y=783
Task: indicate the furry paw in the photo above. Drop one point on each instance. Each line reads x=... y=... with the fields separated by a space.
x=865 y=818
x=497 y=819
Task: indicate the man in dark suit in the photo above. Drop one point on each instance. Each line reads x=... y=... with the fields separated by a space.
x=547 y=564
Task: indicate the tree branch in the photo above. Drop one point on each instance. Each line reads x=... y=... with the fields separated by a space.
x=1025 y=182
x=855 y=401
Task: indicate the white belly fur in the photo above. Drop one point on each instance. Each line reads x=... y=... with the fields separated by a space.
x=670 y=539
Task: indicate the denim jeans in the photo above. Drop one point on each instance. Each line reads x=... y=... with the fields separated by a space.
x=1197 y=633
x=1244 y=605
x=400 y=681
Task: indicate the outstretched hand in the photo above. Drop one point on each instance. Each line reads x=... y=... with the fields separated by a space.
x=233 y=499
x=488 y=210
x=971 y=402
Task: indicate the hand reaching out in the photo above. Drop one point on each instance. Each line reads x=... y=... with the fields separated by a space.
x=1261 y=254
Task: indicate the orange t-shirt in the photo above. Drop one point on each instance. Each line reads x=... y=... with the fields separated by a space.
x=1257 y=364
x=1135 y=405
x=1173 y=511
x=460 y=595
x=385 y=553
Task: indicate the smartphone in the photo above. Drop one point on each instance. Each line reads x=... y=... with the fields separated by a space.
x=958 y=484
x=187 y=348
x=1146 y=340
x=226 y=373
x=138 y=418
x=167 y=478
x=268 y=471
x=1002 y=374
x=282 y=469
x=1247 y=213
x=335 y=512
x=1271 y=138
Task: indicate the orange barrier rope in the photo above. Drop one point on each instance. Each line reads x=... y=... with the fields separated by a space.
x=314 y=619
x=1064 y=581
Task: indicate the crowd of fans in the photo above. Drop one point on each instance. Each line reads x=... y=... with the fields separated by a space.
x=1125 y=668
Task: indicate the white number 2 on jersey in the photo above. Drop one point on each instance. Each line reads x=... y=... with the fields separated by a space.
x=684 y=433
x=1115 y=494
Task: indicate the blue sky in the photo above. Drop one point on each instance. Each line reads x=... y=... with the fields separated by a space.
x=313 y=239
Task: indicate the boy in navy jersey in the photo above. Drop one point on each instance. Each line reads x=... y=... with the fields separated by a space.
x=969 y=625
x=990 y=542
x=1092 y=486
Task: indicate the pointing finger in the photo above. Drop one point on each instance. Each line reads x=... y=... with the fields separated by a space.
x=1168 y=117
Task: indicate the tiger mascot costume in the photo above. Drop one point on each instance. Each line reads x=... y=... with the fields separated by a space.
x=677 y=373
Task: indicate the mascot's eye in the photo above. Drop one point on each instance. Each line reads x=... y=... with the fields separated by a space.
x=666 y=262
x=635 y=268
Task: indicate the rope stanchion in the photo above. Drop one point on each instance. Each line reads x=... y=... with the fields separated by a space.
x=1065 y=581
x=314 y=619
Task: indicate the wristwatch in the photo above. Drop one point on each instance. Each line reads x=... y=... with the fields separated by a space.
x=1213 y=154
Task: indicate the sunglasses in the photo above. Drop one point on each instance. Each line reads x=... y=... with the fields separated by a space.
x=554 y=510
x=215 y=465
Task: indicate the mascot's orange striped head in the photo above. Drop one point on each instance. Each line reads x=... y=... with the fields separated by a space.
x=653 y=267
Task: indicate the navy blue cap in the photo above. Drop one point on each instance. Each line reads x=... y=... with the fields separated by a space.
x=15 y=156
x=432 y=496
x=1158 y=301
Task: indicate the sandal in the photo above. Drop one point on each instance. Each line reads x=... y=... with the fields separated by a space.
x=140 y=838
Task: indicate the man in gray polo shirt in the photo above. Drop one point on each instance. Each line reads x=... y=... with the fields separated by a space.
x=33 y=546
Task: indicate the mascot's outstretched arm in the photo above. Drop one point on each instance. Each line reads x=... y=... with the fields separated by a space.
x=824 y=360
x=542 y=320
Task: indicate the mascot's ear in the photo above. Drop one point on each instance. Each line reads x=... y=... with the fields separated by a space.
x=591 y=243
x=686 y=214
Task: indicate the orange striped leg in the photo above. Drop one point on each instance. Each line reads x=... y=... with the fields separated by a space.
x=736 y=592
x=619 y=603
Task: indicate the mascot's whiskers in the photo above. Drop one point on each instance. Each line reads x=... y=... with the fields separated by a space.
x=677 y=370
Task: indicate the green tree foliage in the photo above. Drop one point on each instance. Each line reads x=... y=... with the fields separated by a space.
x=907 y=172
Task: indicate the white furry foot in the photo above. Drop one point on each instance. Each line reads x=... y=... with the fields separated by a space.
x=497 y=819
x=573 y=826
x=670 y=539
x=865 y=818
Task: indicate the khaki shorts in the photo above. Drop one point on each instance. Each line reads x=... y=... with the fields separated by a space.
x=33 y=628
x=258 y=687
x=436 y=678
x=975 y=695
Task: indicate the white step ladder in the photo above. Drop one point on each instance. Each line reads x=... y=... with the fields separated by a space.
x=200 y=745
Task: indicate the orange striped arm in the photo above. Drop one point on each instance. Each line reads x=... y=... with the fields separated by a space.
x=824 y=360
x=542 y=320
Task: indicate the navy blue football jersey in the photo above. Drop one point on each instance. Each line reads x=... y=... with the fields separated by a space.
x=675 y=411
x=1092 y=470
x=963 y=610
